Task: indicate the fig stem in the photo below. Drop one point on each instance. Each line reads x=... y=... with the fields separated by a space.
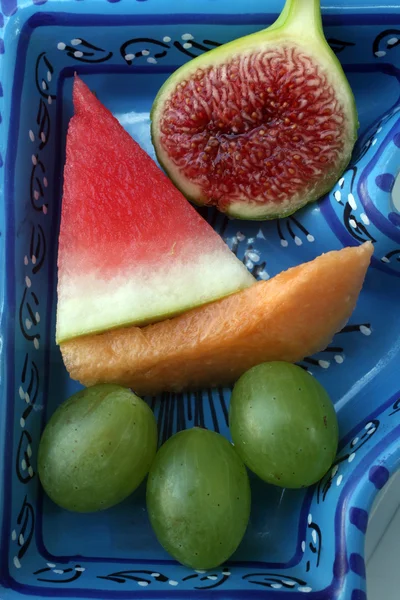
x=301 y=16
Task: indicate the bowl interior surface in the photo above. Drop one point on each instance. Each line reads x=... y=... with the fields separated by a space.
x=297 y=541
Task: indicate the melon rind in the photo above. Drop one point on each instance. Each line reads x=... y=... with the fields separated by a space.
x=87 y=303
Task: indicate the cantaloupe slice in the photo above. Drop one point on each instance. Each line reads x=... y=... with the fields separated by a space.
x=286 y=318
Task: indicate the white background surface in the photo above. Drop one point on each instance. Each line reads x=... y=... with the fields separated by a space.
x=382 y=547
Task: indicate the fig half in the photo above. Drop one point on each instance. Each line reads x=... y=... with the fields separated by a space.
x=260 y=126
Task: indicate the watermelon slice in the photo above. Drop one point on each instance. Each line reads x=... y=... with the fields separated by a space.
x=132 y=250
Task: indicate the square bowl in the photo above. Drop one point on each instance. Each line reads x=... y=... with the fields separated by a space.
x=298 y=542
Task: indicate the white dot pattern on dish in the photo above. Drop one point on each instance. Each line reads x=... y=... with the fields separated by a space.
x=263 y=275
x=314 y=536
x=365 y=330
x=305 y=589
x=253 y=255
x=352 y=201
x=364 y=219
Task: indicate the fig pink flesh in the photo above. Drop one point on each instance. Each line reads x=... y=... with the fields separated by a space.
x=264 y=126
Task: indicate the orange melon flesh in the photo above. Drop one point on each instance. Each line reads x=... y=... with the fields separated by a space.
x=291 y=316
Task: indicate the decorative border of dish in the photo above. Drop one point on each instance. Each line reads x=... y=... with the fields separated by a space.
x=29 y=389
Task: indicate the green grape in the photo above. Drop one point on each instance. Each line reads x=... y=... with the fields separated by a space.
x=97 y=448
x=198 y=498
x=283 y=424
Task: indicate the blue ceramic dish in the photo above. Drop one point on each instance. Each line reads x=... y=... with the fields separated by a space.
x=298 y=542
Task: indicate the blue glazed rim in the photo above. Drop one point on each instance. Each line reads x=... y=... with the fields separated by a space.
x=353 y=490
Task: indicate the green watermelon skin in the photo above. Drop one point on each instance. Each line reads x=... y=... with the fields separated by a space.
x=132 y=250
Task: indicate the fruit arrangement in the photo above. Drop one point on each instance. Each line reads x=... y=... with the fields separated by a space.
x=151 y=298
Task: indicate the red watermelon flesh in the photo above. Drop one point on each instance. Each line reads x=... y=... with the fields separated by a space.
x=132 y=250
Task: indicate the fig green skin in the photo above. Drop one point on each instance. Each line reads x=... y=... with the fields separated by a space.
x=283 y=425
x=97 y=448
x=198 y=498
x=300 y=22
